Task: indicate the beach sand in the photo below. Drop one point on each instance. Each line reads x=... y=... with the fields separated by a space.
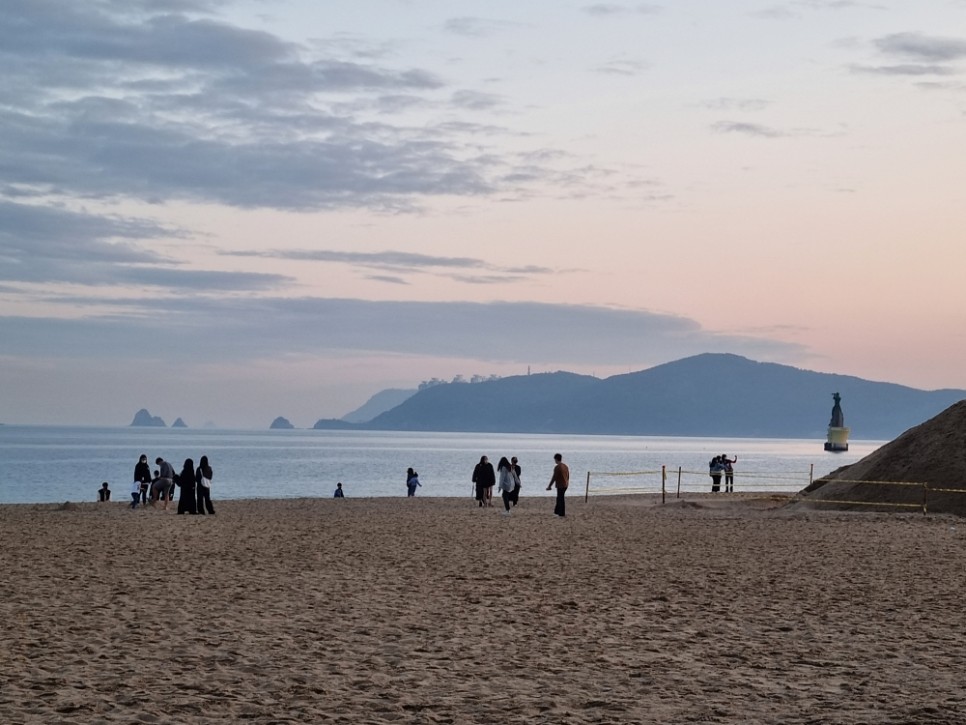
x=431 y=610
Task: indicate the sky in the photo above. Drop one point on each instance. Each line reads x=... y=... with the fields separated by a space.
x=231 y=211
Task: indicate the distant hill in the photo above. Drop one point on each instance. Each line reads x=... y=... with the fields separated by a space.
x=145 y=419
x=715 y=395
x=178 y=423
x=281 y=423
x=379 y=403
x=336 y=424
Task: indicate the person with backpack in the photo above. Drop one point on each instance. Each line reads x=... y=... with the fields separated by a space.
x=715 y=469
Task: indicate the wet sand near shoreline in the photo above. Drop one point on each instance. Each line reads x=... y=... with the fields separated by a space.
x=431 y=610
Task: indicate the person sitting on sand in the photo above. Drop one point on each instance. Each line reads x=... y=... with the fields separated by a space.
x=338 y=491
x=104 y=493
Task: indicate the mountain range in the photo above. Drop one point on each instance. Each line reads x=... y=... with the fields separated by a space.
x=717 y=395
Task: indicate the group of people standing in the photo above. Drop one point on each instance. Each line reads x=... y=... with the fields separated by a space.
x=722 y=465
x=507 y=474
x=195 y=485
x=507 y=477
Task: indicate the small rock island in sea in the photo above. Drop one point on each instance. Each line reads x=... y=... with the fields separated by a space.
x=280 y=423
x=179 y=424
x=144 y=419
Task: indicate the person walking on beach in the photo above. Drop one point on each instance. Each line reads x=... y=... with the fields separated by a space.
x=164 y=486
x=508 y=482
x=729 y=472
x=142 y=476
x=104 y=493
x=412 y=482
x=484 y=478
x=561 y=479
x=187 y=502
x=338 y=491
x=515 y=498
x=203 y=487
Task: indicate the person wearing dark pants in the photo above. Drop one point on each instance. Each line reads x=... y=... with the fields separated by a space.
x=508 y=483
x=560 y=479
x=142 y=474
x=203 y=487
x=515 y=498
x=187 y=502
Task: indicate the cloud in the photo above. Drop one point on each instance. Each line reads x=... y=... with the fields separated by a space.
x=923 y=48
x=916 y=55
x=603 y=10
x=736 y=104
x=401 y=262
x=796 y=9
x=51 y=244
x=747 y=129
x=155 y=102
x=47 y=244
x=475 y=100
x=242 y=329
x=474 y=27
x=622 y=67
x=905 y=69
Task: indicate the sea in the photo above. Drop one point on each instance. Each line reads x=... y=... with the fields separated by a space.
x=46 y=464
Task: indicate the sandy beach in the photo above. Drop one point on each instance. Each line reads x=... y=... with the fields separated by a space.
x=431 y=610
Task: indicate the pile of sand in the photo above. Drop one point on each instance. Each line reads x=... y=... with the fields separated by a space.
x=933 y=453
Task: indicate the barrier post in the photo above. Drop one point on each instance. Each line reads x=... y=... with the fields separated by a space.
x=587 y=490
x=925 y=488
x=663 y=480
x=811 y=472
x=679 y=482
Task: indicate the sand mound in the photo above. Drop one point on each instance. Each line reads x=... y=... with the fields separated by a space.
x=932 y=453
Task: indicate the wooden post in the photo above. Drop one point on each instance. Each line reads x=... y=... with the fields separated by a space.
x=925 y=488
x=663 y=479
x=679 y=482
x=811 y=473
x=587 y=490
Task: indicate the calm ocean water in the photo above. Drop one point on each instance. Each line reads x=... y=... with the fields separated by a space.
x=41 y=464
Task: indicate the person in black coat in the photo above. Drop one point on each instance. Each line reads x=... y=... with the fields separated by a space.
x=203 y=486
x=485 y=478
x=187 y=503
x=142 y=474
x=515 y=497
